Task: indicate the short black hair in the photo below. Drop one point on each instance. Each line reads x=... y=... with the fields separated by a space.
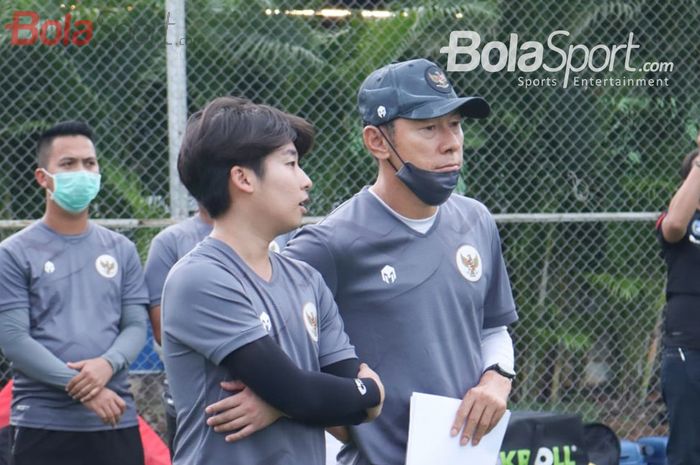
x=390 y=130
x=687 y=163
x=64 y=128
x=232 y=131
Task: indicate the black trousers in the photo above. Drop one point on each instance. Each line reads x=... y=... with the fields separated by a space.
x=680 y=378
x=33 y=446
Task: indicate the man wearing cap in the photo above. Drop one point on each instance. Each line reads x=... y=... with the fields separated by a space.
x=417 y=270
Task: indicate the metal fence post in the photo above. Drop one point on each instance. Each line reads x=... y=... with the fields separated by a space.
x=176 y=44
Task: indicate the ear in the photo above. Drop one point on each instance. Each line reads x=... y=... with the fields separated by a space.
x=242 y=179
x=42 y=179
x=375 y=142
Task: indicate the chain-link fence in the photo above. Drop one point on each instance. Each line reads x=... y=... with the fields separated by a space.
x=605 y=138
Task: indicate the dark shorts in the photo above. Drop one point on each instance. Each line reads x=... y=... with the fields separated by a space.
x=32 y=446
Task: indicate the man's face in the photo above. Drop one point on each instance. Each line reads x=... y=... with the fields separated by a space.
x=432 y=144
x=283 y=189
x=68 y=153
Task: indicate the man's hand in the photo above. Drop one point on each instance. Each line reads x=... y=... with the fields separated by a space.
x=107 y=405
x=367 y=372
x=481 y=408
x=243 y=412
x=94 y=374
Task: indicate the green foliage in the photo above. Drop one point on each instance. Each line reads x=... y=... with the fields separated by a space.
x=544 y=149
x=623 y=288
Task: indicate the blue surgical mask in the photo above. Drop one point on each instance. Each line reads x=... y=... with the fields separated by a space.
x=433 y=188
x=74 y=190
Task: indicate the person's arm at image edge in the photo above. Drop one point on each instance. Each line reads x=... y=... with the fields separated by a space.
x=682 y=207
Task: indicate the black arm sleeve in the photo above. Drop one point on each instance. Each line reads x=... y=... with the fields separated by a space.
x=311 y=397
x=347 y=368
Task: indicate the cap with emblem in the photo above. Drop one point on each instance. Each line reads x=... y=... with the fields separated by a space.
x=414 y=89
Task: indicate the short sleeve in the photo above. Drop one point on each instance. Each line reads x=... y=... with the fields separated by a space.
x=334 y=343
x=665 y=245
x=308 y=245
x=205 y=308
x=134 y=290
x=499 y=306
x=14 y=284
x=161 y=257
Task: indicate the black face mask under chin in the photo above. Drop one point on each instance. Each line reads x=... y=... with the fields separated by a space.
x=431 y=187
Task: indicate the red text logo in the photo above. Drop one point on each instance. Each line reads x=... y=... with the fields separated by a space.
x=78 y=33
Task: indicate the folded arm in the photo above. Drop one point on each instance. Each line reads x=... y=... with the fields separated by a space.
x=312 y=397
x=96 y=372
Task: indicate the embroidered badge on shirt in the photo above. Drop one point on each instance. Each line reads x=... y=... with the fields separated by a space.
x=311 y=320
x=469 y=263
x=389 y=274
x=695 y=228
x=694 y=235
x=49 y=267
x=107 y=266
x=266 y=322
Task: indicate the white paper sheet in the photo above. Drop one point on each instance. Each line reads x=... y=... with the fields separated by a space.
x=429 y=440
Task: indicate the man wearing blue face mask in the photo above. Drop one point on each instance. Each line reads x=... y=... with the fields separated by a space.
x=72 y=318
x=416 y=270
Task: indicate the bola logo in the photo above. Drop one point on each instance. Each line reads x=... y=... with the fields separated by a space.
x=27 y=28
x=464 y=53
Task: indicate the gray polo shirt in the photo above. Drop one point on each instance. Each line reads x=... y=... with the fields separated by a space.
x=413 y=304
x=213 y=304
x=75 y=288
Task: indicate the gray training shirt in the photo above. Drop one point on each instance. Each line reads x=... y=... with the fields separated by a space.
x=173 y=243
x=213 y=304
x=413 y=304
x=75 y=288
x=167 y=248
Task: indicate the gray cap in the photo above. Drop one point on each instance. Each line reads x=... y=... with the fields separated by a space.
x=414 y=89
